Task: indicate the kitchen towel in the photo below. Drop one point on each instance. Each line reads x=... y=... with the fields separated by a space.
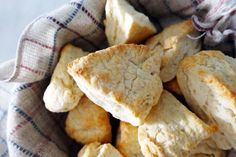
x=26 y=127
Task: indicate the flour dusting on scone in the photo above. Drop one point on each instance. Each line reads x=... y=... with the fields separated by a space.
x=174 y=44
x=127 y=140
x=97 y=149
x=124 y=24
x=208 y=82
x=123 y=79
x=171 y=130
x=62 y=94
x=88 y=122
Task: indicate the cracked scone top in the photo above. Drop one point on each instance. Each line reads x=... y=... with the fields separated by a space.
x=123 y=24
x=173 y=44
x=123 y=79
x=208 y=82
x=62 y=94
x=171 y=130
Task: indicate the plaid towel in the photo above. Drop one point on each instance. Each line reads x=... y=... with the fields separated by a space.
x=26 y=127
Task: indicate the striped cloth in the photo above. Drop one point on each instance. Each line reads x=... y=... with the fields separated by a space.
x=26 y=127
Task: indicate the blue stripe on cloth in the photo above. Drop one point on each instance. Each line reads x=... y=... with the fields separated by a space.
x=35 y=126
x=30 y=119
x=20 y=53
x=3 y=113
x=47 y=74
x=88 y=35
x=2 y=140
x=23 y=150
x=4 y=154
x=96 y=22
x=4 y=143
x=67 y=21
x=22 y=87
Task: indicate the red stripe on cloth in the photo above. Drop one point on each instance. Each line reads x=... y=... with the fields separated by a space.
x=24 y=122
x=18 y=126
x=45 y=142
x=31 y=70
x=38 y=43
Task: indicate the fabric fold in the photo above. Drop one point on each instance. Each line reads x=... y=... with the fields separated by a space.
x=26 y=127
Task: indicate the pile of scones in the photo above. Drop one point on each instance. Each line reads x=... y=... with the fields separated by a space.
x=172 y=98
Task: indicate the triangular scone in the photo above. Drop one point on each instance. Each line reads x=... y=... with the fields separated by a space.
x=88 y=123
x=127 y=140
x=171 y=130
x=173 y=44
x=208 y=83
x=123 y=79
x=97 y=149
x=62 y=94
x=124 y=24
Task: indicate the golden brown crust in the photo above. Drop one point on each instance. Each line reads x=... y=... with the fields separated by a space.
x=179 y=29
x=171 y=130
x=62 y=94
x=88 y=123
x=123 y=24
x=138 y=33
x=127 y=140
x=173 y=44
x=123 y=79
x=106 y=54
x=208 y=83
x=192 y=61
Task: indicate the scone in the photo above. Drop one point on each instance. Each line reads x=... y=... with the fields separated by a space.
x=173 y=86
x=123 y=79
x=123 y=24
x=62 y=94
x=207 y=148
x=171 y=130
x=173 y=44
x=88 y=123
x=208 y=82
x=97 y=149
x=127 y=140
